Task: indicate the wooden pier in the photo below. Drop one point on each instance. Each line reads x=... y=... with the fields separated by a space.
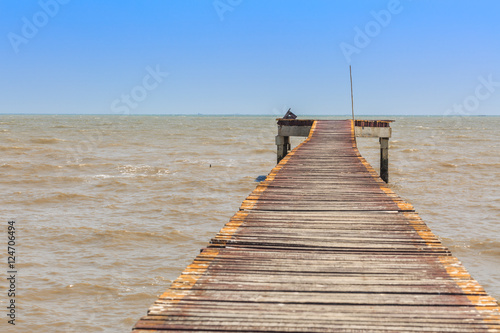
x=323 y=245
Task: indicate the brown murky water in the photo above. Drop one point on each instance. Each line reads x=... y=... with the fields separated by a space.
x=110 y=209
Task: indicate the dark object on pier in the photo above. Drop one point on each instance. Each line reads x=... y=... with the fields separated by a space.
x=289 y=115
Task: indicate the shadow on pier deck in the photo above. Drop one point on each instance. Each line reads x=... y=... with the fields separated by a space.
x=323 y=245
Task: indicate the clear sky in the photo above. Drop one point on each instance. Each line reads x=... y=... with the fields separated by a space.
x=250 y=57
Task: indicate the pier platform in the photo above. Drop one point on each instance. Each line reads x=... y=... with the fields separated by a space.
x=324 y=245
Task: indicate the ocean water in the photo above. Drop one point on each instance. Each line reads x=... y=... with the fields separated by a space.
x=110 y=209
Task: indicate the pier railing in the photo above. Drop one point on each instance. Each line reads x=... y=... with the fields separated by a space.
x=362 y=128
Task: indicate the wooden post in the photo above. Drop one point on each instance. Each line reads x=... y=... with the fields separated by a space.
x=283 y=145
x=384 y=159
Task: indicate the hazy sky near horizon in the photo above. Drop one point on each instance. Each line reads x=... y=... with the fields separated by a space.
x=250 y=57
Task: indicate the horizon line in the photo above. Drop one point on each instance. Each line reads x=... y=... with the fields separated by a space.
x=238 y=115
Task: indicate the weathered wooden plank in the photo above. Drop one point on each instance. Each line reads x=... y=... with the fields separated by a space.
x=323 y=245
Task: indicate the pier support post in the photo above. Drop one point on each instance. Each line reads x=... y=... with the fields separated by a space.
x=283 y=145
x=384 y=159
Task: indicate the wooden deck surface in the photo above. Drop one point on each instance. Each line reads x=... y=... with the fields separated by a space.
x=323 y=245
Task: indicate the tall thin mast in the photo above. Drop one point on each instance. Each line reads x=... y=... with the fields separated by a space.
x=352 y=98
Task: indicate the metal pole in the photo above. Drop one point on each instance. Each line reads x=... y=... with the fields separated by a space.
x=352 y=98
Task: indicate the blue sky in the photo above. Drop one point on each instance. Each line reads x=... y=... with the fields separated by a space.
x=250 y=57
